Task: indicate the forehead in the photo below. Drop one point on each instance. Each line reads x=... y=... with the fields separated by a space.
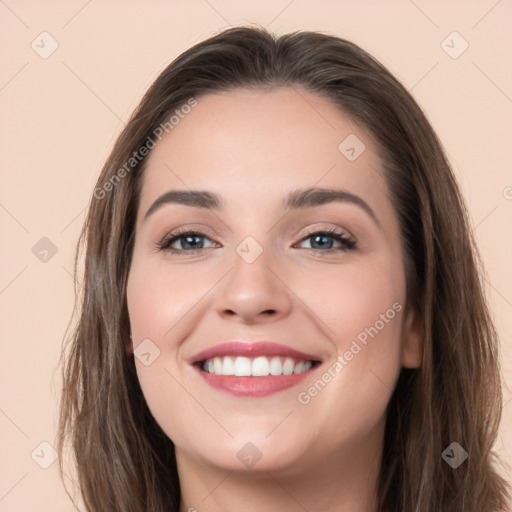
x=261 y=144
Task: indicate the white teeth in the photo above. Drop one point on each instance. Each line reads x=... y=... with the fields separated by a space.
x=217 y=365
x=276 y=367
x=299 y=367
x=228 y=366
x=243 y=367
x=260 y=366
x=288 y=366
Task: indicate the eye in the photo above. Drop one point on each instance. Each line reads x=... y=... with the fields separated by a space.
x=324 y=239
x=190 y=241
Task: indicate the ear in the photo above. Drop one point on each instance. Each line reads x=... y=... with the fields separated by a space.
x=412 y=339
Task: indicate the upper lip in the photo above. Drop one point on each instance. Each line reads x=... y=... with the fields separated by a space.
x=251 y=349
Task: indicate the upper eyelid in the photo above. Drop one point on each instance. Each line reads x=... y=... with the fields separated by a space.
x=199 y=231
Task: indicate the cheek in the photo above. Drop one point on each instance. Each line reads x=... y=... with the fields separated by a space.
x=166 y=305
x=371 y=308
x=360 y=302
x=158 y=300
x=364 y=315
x=163 y=306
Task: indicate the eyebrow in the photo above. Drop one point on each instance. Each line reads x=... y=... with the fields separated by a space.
x=302 y=198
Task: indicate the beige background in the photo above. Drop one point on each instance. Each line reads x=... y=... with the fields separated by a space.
x=61 y=114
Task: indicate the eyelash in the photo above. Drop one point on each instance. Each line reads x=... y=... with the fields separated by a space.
x=348 y=243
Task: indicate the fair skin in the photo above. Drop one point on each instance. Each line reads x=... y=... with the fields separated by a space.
x=253 y=148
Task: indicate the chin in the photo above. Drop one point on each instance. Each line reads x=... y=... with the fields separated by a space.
x=249 y=453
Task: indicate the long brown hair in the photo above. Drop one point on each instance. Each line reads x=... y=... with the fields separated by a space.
x=124 y=461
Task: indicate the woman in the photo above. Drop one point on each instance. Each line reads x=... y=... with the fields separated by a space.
x=281 y=303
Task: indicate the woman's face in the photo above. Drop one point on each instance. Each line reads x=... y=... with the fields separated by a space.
x=259 y=267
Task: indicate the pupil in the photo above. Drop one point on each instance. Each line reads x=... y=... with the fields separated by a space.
x=323 y=238
x=195 y=239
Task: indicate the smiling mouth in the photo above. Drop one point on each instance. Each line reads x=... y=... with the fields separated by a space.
x=261 y=366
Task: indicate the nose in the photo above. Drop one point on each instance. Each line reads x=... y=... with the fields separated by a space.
x=253 y=293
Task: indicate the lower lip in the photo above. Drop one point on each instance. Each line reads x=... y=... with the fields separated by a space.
x=253 y=386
